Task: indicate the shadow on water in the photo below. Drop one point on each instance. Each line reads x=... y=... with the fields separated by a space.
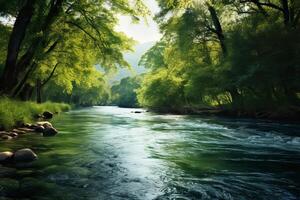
x=112 y=153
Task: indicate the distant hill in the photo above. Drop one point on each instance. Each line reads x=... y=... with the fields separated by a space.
x=133 y=59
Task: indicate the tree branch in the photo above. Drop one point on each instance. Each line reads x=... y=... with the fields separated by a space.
x=52 y=47
x=50 y=76
x=82 y=29
x=297 y=17
x=267 y=4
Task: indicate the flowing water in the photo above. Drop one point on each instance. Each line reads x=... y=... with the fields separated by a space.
x=112 y=153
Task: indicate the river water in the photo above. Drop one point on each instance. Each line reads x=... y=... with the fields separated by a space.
x=113 y=153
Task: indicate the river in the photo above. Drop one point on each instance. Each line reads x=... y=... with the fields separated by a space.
x=113 y=153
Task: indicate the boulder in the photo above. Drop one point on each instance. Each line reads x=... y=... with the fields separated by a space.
x=13 y=134
x=5 y=155
x=20 y=132
x=27 y=125
x=49 y=132
x=39 y=129
x=45 y=124
x=137 y=111
x=47 y=115
x=26 y=129
x=3 y=133
x=6 y=137
x=33 y=126
x=24 y=155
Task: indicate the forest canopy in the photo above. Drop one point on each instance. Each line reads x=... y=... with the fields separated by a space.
x=54 y=46
x=240 y=55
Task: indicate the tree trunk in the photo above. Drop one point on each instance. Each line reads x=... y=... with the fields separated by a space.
x=9 y=78
x=235 y=98
x=13 y=68
x=22 y=82
x=218 y=28
x=260 y=8
x=286 y=12
x=38 y=91
x=26 y=92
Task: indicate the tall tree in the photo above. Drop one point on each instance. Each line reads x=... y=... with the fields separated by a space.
x=40 y=27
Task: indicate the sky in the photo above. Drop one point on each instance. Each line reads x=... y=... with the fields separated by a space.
x=144 y=31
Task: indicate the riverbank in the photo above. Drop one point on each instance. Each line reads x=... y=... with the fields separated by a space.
x=16 y=119
x=291 y=114
x=15 y=113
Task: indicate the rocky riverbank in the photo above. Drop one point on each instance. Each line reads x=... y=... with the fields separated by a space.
x=22 y=155
x=45 y=128
x=42 y=127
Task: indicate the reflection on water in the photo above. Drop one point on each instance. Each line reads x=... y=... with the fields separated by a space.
x=112 y=153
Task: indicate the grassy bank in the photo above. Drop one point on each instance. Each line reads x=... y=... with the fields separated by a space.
x=13 y=113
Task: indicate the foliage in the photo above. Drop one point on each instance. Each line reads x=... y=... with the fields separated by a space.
x=124 y=93
x=239 y=55
x=4 y=32
x=84 y=88
x=161 y=90
x=14 y=112
x=62 y=42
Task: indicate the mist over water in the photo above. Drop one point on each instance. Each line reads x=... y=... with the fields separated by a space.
x=112 y=153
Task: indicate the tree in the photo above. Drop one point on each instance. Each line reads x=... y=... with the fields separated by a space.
x=225 y=54
x=124 y=93
x=41 y=27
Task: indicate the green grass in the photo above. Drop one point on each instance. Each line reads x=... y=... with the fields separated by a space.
x=13 y=112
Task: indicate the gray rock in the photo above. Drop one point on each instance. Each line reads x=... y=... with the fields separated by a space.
x=49 y=132
x=13 y=134
x=27 y=125
x=6 y=137
x=3 y=133
x=39 y=129
x=26 y=129
x=47 y=115
x=6 y=155
x=19 y=131
x=33 y=126
x=24 y=155
x=45 y=124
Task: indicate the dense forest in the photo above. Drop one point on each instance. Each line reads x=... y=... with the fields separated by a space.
x=241 y=56
x=50 y=51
